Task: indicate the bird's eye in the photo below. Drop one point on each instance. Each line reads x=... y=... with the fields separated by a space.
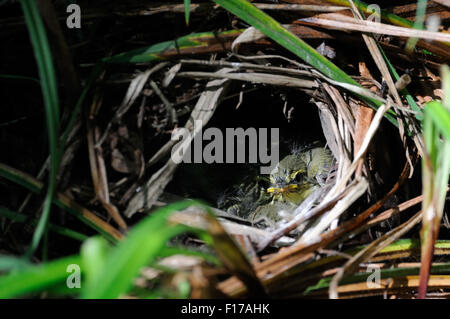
x=296 y=177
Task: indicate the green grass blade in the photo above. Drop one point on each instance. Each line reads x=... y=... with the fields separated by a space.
x=418 y=23
x=409 y=98
x=36 y=278
x=270 y=27
x=187 y=5
x=385 y=15
x=8 y=263
x=107 y=271
x=50 y=94
x=20 y=178
x=34 y=186
x=399 y=246
x=21 y=218
x=435 y=174
x=440 y=117
x=164 y=50
x=143 y=244
x=384 y=273
x=93 y=253
x=274 y=30
x=19 y=77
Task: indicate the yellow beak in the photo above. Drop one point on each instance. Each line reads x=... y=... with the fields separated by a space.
x=292 y=193
x=281 y=190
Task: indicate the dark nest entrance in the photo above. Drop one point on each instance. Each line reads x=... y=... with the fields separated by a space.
x=264 y=107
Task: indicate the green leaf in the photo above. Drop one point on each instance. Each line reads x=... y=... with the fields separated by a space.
x=409 y=98
x=187 y=4
x=94 y=252
x=384 y=273
x=142 y=246
x=8 y=263
x=35 y=186
x=166 y=49
x=270 y=27
x=50 y=94
x=385 y=15
x=418 y=23
x=274 y=30
x=440 y=117
x=108 y=271
x=435 y=173
x=398 y=246
x=19 y=77
x=21 y=218
x=36 y=278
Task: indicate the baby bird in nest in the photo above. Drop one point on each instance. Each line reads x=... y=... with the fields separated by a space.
x=292 y=180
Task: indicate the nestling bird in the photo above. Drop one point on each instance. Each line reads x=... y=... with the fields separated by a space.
x=292 y=180
x=298 y=175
